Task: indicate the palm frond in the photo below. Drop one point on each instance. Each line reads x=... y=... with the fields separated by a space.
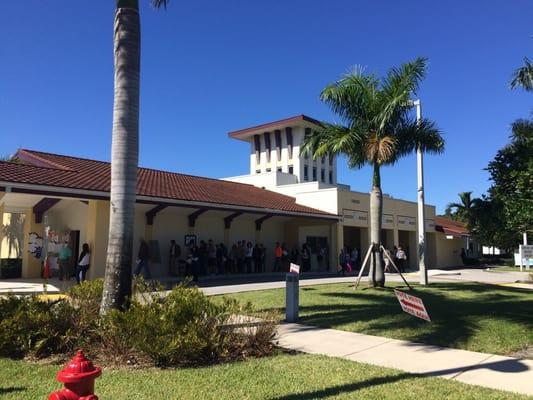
x=352 y=97
x=397 y=88
x=523 y=76
x=157 y=4
x=424 y=135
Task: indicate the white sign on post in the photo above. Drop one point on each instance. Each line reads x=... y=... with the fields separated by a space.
x=526 y=254
x=412 y=305
x=294 y=268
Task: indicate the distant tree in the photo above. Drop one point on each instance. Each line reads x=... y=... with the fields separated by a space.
x=511 y=172
x=377 y=129
x=464 y=210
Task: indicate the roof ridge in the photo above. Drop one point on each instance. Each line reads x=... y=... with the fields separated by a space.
x=19 y=164
x=31 y=153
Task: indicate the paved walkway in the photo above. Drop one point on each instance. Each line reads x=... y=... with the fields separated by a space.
x=489 y=370
x=246 y=283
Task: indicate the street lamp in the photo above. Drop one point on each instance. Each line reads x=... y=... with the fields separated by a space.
x=420 y=199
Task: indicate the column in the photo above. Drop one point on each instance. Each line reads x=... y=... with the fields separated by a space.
x=1 y=226
x=97 y=236
x=31 y=265
x=337 y=243
x=396 y=237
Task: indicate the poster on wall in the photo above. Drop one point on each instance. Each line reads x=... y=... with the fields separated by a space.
x=35 y=244
x=190 y=240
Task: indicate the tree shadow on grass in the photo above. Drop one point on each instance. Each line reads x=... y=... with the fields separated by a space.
x=455 y=318
x=11 y=390
x=506 y=366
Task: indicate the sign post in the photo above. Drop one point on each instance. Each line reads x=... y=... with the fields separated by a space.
x=292 y=286
x=412 y=305
x=526 y=254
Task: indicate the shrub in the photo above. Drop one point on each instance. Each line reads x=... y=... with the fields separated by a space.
x=30 y=326
x=184 y=327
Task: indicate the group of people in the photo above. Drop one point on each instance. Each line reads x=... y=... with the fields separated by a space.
x=241 y=257
x=349 y=259
x=65 y=262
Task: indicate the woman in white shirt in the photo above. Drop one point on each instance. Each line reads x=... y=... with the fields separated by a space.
x=83 y=263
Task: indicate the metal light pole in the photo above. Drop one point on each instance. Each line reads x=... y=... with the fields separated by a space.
x=421 y=212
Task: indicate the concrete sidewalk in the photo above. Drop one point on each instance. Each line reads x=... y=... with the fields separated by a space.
x=489 y=370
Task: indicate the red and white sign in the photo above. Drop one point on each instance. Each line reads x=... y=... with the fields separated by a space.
x=412 y=305
x=294 y=268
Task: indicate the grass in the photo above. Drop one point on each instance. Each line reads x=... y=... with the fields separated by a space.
x=468 y=316
x=281 y=377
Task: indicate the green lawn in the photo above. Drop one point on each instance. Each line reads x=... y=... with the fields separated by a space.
x=475 y=317
x=281 y=377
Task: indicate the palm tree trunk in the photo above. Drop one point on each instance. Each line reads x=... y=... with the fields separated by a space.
x=124 y=156
x=376 y=275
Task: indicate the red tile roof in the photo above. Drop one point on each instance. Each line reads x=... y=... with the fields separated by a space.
x=45 y=169
x=450 y=227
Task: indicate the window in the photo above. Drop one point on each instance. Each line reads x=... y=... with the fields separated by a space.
x=323 y=175
x=291 y=170
x=330 y=177
x=257 y=171
x=278 y=169
x=314 y=173
x=306 y=173
x=268 y=170
x=330 y=160
x=323 y=160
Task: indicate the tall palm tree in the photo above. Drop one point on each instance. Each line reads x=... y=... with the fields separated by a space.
x=523 y=76
x=124 y=153
x=376 y=129
x=464 y=210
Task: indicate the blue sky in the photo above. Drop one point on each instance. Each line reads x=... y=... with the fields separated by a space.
x=209 y=67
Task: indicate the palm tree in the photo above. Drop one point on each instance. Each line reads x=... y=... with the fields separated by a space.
x=124 y=153
x=464 y=210
x=377 y=129
x=523 y=76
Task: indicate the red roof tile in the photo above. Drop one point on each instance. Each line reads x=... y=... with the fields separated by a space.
x=451 y=227
x=47 y=169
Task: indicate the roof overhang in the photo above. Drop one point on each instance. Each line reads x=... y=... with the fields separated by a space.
x=63 y=192
x=300 y=120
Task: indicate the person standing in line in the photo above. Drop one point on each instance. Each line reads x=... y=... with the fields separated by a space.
x=65 y=254
x=278 y=253
x=354 y=256
x=256 y=254
x=386 y=258
x=173 y=258
x=248 y=257
x=343 y=261
x=84 y=261
x=262 y=255
x=295 y=255
x=402 y=257
x=306 y=258
x=143 y=258
x=193 y=262
x=211 y=256
x=394 y=258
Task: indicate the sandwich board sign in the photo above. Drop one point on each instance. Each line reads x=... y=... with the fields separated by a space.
x=412 y=305
x=294 y=268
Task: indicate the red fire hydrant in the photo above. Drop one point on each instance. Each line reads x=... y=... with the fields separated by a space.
x=78 y=377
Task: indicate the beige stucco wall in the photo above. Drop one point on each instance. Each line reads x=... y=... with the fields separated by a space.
x=448 y=251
